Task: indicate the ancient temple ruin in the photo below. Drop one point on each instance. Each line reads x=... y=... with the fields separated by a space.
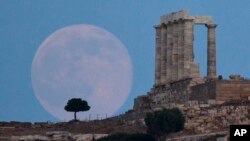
x=174 y=48
x=177 y=78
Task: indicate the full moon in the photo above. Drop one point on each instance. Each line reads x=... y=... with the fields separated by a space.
x=81 y=61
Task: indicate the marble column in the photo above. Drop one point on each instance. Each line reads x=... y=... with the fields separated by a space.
x=157 y=54
x=175 y=52
x=163 y=53
x=169 y=51
x=188 y=46
x=180 y=49
x=211 y=51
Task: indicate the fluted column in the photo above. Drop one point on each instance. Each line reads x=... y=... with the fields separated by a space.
x=175 y=51
x=180 y=50
x=211 y=51
x=188 y=46
x=157 y=55
x=163 y=53
x=169 y=51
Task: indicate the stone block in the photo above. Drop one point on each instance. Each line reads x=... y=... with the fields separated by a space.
x=221 y=139
x=211 y=102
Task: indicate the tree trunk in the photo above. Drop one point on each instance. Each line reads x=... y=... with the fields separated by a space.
x=75 y=116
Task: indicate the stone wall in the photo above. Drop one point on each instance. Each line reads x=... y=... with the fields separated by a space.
x=221 y=90
x=211 y=117
x=204 y=91
x=232 y=89
x=176 y=91
x=141 y=103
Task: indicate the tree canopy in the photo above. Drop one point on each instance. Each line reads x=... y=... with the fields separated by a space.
x=165 y=121
x=76 y=105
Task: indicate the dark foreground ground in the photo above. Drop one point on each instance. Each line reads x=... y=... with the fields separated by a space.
x=107 y=126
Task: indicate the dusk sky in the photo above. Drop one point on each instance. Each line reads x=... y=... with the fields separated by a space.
x=25 y=24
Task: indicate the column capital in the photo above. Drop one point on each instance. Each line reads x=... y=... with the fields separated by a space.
x=191 y=19
x=211 y=25
x=181 y=20
x=158 y=26
x=163 y=25
x=169 y=23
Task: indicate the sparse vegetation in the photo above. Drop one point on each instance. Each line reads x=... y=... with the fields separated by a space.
x=77 y=105
x=164 y=122
x=220 y=77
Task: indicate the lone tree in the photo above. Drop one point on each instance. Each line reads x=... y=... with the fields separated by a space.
x=77 y=105
x=164 y=122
